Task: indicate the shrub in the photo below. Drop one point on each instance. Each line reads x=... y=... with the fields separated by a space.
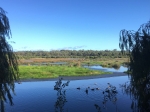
x=116 y=66
x=78 y=64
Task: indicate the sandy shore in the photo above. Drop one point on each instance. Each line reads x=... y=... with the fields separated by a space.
x=114 y=74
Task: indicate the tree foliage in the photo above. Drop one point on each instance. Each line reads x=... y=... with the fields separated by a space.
x=71 y=54
x=8 y=61
x=138 y=45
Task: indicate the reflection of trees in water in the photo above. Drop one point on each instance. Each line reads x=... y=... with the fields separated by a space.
x=2 y=106
x=139 y=95
x=98 y=108
x=110 y=94
x=61 y=95
x=5 y=95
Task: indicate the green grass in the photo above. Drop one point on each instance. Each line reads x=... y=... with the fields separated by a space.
x=39 y=72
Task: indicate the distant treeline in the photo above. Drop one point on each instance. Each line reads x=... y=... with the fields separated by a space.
x=71 y=54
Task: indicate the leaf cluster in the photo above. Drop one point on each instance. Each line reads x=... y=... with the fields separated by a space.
x=8 y=61
x=138 y=45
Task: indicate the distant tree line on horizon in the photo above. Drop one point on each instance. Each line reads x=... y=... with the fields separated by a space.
x=72 y=54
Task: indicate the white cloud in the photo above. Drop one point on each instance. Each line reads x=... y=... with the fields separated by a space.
x=72 y=48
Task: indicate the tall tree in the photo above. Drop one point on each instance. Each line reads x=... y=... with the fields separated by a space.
x=8 y=60
x=137 y=43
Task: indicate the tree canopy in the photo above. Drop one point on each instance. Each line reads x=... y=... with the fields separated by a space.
x=71 y=54
x=137 y=43
x=8 y=60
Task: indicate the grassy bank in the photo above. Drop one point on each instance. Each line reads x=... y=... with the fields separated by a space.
x=39 y=72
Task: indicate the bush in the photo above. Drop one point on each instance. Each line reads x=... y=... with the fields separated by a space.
x=78 y=64
x=116 y=66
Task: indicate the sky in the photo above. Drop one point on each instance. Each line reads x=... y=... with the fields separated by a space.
x=72 y=24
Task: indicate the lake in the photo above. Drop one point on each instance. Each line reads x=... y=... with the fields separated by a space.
x=105 y=69
x=84 y=95
x=40 y=96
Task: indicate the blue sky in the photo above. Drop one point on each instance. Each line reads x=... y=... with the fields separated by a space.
x=72 y=24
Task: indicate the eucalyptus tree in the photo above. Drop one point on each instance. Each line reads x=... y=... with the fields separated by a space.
x=137 y=43
x=8 y=60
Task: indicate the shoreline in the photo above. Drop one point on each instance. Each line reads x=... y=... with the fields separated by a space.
x=114 y=74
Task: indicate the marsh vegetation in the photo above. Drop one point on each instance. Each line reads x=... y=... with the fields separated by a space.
x=39 y=72
x=36 y=68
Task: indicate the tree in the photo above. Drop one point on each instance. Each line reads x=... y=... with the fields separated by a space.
x=8 y=60
x=138 y=45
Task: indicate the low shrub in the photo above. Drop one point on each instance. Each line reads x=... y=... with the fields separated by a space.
x=116 y=66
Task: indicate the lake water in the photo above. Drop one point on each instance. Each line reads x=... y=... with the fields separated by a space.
x=40 y=96
x=98 y=67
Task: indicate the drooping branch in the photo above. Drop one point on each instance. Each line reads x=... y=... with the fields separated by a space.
x=8 y=61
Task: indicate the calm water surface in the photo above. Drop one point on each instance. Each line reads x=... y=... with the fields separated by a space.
x=98 y=67
x=40 y=96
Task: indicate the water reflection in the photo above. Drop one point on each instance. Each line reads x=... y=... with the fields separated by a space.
x=61 y=95
x=90 y=95
x=138 y=89
x=105 y=69
x=98 y=108
x=2 y=106
x=139 y=94
x=94 y=95
x=5 y=95
x=109 y=94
